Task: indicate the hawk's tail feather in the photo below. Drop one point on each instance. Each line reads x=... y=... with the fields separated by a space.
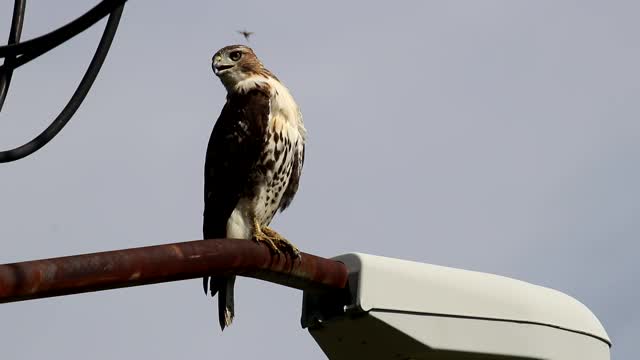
x=224 y=287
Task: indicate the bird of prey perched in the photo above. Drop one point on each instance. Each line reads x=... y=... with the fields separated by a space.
x=245 y=33
x=253 y=162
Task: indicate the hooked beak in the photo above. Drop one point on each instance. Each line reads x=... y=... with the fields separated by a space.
x=218 y=65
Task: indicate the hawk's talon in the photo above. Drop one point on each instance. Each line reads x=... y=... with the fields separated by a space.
x=261 y=237
x=282 y=243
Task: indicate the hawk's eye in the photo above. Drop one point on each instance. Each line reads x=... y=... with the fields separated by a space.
x=235 y=55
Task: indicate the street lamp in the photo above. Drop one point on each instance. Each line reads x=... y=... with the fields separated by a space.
x=397 y=309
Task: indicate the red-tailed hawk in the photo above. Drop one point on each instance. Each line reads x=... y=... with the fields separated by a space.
x=253 y=162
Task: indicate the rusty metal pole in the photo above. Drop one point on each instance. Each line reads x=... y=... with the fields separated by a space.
x=162 y=263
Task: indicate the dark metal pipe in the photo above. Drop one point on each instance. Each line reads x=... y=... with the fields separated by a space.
x=162 y=263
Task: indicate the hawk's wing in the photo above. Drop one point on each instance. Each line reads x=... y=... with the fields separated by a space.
x=233 y=152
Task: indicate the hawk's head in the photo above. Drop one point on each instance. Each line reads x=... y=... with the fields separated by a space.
x=235 y=63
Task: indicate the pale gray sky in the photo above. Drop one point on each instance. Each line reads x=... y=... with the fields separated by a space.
x=499 y=136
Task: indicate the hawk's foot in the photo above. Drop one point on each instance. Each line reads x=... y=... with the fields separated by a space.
x=260 y=237
x=281 y=242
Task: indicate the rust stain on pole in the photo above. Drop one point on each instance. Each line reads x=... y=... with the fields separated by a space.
x=163 y=263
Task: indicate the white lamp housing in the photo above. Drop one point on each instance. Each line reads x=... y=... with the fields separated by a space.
x=398 y=309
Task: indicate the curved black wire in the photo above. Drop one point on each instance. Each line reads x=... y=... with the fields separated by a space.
x=64 y=32
x=31 y=49
x=17 y=20
x=77 y=97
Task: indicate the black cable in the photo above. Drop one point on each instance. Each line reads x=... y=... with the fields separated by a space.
x=77 y=97
x=17 y=20
x=63 y=33
x=33 y=48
